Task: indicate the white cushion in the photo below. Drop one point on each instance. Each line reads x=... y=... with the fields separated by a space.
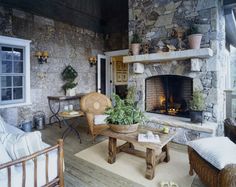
x=2 y=125
x=4 y=157
x=100 y=119
x=20 y=145
x=219 y=151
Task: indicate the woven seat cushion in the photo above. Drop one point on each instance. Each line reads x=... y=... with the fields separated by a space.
x=218 y=151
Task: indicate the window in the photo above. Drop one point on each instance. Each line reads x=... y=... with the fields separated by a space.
x=14 y=72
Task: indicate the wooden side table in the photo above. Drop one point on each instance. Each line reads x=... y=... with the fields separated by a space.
x=70 y=128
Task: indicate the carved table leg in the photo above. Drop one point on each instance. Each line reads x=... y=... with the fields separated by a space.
x=112 y=150
x=166 y=149
x=151 y=163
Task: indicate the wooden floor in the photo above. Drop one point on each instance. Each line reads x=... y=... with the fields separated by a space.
x=80 y=173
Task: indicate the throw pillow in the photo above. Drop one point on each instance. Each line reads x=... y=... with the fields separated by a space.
x=20 y=145
x=219 y=151
x=2 y=125
x=100 y=119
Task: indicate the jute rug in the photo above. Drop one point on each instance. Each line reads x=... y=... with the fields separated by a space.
x=133 y=168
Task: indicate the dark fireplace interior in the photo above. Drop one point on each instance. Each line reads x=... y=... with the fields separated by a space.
x=169 y=94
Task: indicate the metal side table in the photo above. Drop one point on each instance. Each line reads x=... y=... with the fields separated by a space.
x=66 y=116
x=54 y=103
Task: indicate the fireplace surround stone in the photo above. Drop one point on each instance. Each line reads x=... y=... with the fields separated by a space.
x=169 y=15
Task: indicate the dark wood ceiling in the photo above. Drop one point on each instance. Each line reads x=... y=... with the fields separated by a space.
x=98 y=15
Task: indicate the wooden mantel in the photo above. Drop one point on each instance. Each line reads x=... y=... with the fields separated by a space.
x=169 y=56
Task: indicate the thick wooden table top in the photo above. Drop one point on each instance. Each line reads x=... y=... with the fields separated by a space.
x=133 y=137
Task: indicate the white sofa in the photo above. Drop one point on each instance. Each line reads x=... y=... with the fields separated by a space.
x=16 y=170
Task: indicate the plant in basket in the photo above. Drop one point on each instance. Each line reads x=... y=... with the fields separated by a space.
x=124 y=116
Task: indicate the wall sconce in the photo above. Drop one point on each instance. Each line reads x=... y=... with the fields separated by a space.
x=92 y=61
x=42 y=56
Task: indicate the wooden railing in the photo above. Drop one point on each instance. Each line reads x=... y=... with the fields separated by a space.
x=58 y=181
x=229 y=103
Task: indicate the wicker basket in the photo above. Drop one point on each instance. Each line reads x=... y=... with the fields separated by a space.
x=124 y=128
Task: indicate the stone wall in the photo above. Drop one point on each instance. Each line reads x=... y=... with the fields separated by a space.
x=154 y=21
x=66 y=44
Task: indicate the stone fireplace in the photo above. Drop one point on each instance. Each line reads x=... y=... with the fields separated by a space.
x=168 y=94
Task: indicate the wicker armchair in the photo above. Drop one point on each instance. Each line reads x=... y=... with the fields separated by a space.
x=230 y=129
x=94 y=104
x=210 y=175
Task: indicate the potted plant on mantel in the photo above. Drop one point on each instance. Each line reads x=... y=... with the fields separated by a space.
x=195 y=37
x=196 y=107
x=135 y=44
x=69 y=74
x=124 y=116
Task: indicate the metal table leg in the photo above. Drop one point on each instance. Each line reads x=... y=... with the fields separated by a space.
x=54 y=113
x=69 y=129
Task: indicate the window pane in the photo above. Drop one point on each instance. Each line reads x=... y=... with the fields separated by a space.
x=18 y=54
x=18 y=67
x=17 y=81
x=6 y=53
x=6 y=94
x=6 y=81
x=6 y=66
x=17 y=93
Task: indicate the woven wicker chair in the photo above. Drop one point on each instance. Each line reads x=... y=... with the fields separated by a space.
x=230 y=129
x=94 y=104
x=210 y=175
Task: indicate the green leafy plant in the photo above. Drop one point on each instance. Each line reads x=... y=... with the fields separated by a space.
x=136 y=38
x=197 y=101
x=124 y=112
x=69 y=74
x=193 y=29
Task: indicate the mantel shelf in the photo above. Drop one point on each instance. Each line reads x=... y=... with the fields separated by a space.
x=169 y=56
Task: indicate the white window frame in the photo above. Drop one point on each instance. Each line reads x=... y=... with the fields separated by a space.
x=4 y=40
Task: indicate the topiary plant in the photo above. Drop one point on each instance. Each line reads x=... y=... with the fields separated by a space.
x=197 y=101
x=69 y=74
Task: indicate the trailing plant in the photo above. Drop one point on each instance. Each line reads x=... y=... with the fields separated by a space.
x=124 y=112
x=136 y=39
x=197 y=101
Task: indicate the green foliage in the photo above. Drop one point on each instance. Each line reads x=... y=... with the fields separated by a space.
x=69 y=74
x=69 y=85
x=193 y=29
x=124 y=112
x=136 y=39
x=197 y=101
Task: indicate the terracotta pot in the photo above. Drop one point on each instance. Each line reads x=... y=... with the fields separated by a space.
x=124 y=128
x=194 y=41
x=135 y=48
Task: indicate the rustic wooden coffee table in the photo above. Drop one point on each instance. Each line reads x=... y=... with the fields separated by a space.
x=155 y=152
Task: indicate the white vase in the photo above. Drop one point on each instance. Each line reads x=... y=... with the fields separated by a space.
x=71 y=92
x=135 y=48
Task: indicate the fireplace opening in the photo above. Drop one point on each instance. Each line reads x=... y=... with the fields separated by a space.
x=168 y=94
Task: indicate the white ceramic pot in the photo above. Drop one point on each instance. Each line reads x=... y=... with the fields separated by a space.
x=194 y=41
x=71 y=92
x=135 y=48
